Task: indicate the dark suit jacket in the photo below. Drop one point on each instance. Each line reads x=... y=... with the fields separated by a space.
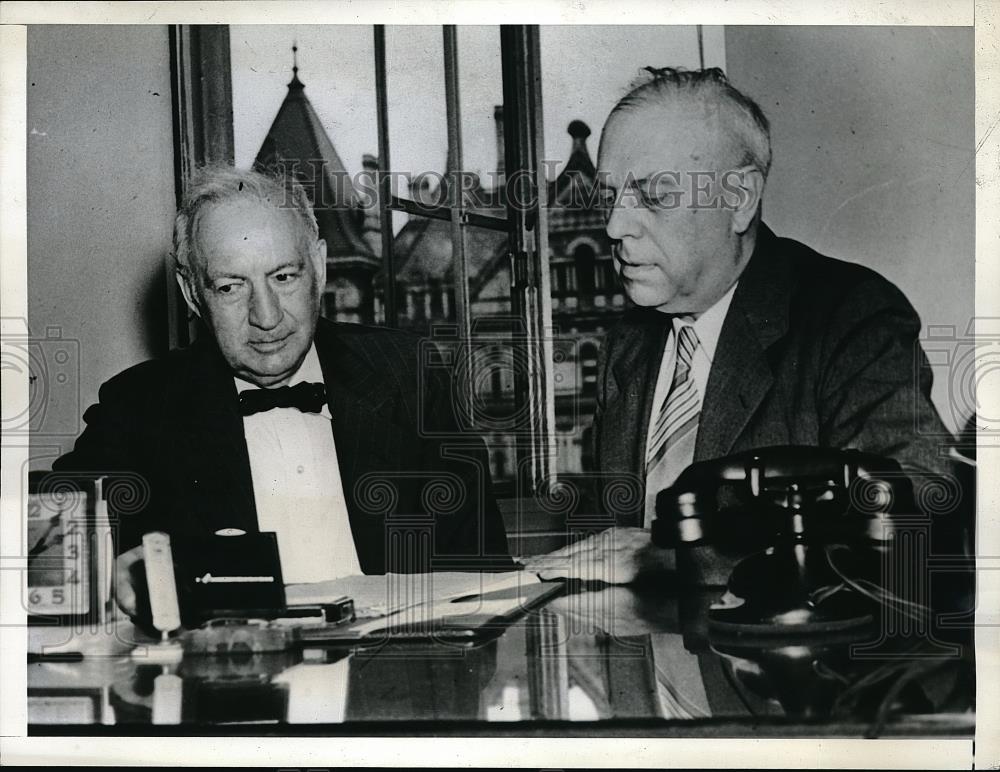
x=813 y=351
x=173 y=427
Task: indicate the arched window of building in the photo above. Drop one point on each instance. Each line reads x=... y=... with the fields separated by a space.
x=563 y=277
x=586 y=261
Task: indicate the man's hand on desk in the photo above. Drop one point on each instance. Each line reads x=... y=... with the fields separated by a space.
x=614 y=556
x=125 y=589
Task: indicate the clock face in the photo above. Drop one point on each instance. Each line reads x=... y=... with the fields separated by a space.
x=59 y=559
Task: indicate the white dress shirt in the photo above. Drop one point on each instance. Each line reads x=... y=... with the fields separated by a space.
x=707 y=327
x=297 y=486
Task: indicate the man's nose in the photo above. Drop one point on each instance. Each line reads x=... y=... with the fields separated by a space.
x=623 y=220
x=265 y=308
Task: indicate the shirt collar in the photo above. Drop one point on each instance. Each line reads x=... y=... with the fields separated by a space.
x=708 y=325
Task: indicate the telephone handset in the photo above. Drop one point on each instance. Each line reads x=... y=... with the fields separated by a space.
x=796 y=492
x=781 y=509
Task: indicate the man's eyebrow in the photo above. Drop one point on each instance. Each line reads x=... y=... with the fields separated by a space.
x=286 y=266
x=211 y=275
x=631 y=182
x=658 y=178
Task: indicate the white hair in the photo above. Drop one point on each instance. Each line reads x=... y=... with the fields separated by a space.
x=745 y=120
x=223 y=183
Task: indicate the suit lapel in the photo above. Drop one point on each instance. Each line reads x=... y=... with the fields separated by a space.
x=626 y=418
x=361 y=404
x=216 y=447
x=741 y=375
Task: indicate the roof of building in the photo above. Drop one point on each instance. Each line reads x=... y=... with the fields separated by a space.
x=423 y=246
x=297 y=137
x=572 y=201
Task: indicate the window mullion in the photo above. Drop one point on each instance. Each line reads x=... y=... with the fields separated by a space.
x=456 y=199
x=384 y=180
x=527 y=215
x=447 y=213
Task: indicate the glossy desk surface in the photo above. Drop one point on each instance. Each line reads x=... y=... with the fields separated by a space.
x=615 y=660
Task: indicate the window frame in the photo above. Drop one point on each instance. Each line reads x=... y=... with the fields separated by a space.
x=202 y=101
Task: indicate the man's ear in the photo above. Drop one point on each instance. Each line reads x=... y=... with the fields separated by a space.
x=744 y=189
x=319 y=255
x=183 y=276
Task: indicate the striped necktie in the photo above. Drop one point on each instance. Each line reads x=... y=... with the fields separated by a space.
x=678 y=415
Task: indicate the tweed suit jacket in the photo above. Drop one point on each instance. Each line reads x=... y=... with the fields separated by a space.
x=411 y=479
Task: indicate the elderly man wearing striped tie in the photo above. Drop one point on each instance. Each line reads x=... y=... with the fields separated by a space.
x=738 y=339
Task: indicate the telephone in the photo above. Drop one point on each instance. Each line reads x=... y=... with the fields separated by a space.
x=773 y=515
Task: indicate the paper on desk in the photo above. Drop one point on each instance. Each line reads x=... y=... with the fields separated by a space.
x=386 y=594
x=467 y=609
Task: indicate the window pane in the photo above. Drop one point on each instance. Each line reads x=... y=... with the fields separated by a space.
x=425 y=262
x=418 y=148
x=585 y=70
x=481 y=99
x=482 y=368
x=418 y=123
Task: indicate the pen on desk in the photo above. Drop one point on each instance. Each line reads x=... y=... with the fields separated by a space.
x=55 y=656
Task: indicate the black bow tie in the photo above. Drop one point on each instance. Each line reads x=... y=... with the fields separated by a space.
x=307 y=397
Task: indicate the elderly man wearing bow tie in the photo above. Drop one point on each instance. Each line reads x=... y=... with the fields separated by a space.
x=278 y=420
